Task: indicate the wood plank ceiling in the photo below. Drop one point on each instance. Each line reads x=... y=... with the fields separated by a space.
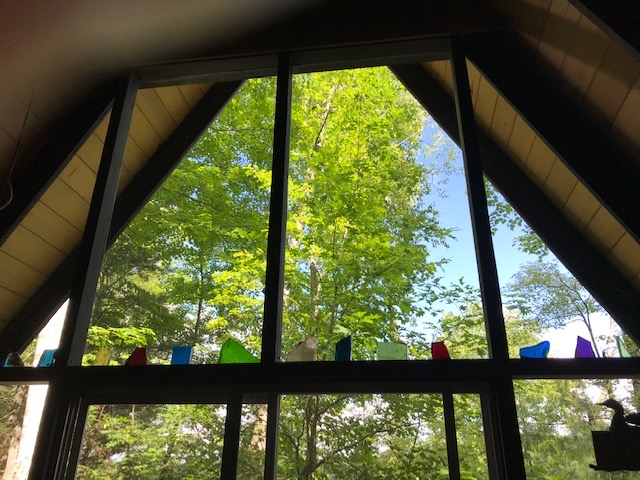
x=54 y=226
x=605 y=79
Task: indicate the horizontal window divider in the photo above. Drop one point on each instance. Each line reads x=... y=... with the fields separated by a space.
x=309 y=377
x=224 y=69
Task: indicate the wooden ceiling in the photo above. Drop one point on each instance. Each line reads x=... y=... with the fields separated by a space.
x=53 y=228
x=595 y=72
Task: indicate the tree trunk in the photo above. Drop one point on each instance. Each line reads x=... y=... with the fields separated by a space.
x=311 y=419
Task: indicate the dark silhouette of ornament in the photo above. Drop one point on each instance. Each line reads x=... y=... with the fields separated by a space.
x=619 y=447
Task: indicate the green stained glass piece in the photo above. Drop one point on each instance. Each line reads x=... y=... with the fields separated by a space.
x=622 y=348
x=233 y=352
x=305 y=351
x=392 y=351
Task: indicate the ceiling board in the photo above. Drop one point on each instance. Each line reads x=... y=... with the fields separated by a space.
x=613 y=81
x=557 y=34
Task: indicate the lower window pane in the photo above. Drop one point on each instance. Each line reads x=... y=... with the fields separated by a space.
x=20 y=414
x=470 y=433
x=557 y=418
x=362 y=436
x=152 y=442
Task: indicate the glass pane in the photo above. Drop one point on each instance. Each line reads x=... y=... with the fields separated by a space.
x=190 y=269
x=253 y=430
x=20 y=413
x=557 y=418
x=152 y=441
x=363 y=223
x=543 y=300
x=470 y=433
x=362 y=436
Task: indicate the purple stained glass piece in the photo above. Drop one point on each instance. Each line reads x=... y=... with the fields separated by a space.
x=584 y=349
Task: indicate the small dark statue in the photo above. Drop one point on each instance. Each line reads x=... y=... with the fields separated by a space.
x=619 y=447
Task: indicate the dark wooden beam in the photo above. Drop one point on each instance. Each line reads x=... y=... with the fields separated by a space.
x=272 y=437
x=451 y=436
x=54 y=156
x=94 y=238
x=25 y=326
x=274 y=285
x=609 y=171
x=614 y=292
x=231 y=443
x=618 y=18
x=481 y=225
x=183 y=383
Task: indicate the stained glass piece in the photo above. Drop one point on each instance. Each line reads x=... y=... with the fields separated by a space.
x=622 y=348
x=304 y=351
x=584 y=348
x=392 y=351
x=138 y=357
x=541 y=350
x=13 y=360
x=233 y=352
x=439 y=351
x=103 y=357
x=343 y=350
x=180 y=355
x=47 y=357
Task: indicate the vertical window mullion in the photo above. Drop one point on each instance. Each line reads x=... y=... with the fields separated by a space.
x=96 y=230
x=507 y=435
x=272 y=323
x=231 y=446
x=453 y=459
x=273 y=436
x=485 y=257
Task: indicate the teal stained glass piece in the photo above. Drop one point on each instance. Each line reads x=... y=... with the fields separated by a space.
x=343 y=350
x=233 y=352
x=305 y=351
x=180 y=355
x=392 y=351
x=584 y=348
x=46 y=359
x=622 y=348
x=13 y=360
x=541 y=350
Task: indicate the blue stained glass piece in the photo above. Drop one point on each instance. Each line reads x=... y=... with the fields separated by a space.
x=541 y=350
x=584 y=349
x=180 y=355
x=46 y=360
x=343 y=350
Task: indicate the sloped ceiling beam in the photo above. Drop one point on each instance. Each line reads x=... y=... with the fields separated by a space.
x=606 y=284
x=24 y=327
x=605 y=168
x=618 y=18
x=50 y=160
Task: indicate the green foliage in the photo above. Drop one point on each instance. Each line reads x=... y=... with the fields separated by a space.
x=190 y=269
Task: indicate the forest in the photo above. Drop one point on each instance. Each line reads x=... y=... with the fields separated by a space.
x=363 y=223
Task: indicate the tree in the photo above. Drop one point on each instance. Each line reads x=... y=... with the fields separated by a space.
x=191 y=266
x=547 y=294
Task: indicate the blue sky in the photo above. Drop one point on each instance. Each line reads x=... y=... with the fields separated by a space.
x=454 y=213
